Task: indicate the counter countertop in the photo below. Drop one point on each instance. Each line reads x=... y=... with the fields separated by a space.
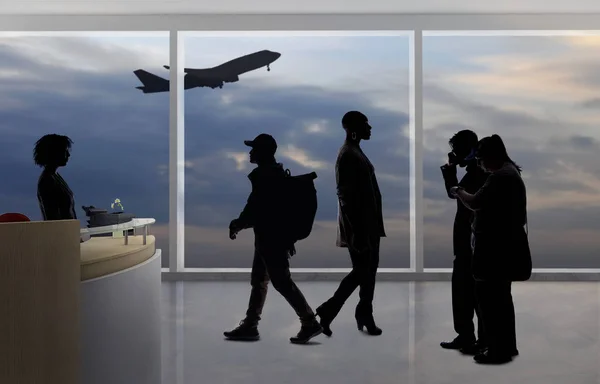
x=134 y=223
x=102 y=256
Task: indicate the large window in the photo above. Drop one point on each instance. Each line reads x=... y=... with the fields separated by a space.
x=83 y=86
x=540 y=94
x=300 y=101
x=537 y=91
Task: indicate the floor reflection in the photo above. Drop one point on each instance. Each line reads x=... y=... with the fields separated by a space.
x=558 y=328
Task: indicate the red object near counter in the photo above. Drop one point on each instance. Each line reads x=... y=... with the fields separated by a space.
x=13 y=218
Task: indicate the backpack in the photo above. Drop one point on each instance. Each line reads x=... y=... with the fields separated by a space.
x=300 y=204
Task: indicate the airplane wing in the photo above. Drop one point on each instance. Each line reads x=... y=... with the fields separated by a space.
x=151 y=83
x=207 y=77
x=195 y=71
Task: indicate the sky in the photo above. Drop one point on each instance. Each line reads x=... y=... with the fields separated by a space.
x=539 y=93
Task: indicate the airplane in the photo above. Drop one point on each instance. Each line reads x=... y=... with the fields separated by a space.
x=209 y=77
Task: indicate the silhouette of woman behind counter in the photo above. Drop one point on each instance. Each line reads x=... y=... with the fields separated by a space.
x=54 y=195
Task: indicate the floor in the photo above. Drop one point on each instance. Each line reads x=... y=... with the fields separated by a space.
x=558 y=330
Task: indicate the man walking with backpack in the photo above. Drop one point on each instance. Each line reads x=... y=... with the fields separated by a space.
x=272 y=247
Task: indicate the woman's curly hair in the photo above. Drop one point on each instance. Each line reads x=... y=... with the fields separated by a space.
x=50 y=149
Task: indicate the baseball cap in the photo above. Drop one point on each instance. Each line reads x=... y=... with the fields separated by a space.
x=263 y=142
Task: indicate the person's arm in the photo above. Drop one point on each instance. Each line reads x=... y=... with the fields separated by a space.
x=473 y=181
x=348 y=192
x=450 y=178
x=248 y=214
x=485 y=194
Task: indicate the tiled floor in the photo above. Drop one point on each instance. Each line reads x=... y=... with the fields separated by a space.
x=558 y=327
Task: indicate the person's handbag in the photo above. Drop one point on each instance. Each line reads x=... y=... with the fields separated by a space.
x=502 y=256
x=523 y=264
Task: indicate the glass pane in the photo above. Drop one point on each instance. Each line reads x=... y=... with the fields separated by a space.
x=83 y=86
x=540 y=95
x=300 y=101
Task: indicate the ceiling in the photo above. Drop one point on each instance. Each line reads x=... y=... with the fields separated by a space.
x=154 y=7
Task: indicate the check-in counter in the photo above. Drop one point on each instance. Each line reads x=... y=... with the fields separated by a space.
x=79 y=313
x=40 y=302
x=102 y=256
x=120 y=305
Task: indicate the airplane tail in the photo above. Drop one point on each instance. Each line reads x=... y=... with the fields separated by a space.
x=151 y=83
x=144 y=89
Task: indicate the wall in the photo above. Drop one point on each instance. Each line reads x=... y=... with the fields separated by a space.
x=146 y=7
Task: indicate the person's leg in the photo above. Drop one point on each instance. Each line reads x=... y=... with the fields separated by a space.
x=259 y=281
x=248 y=328
x=364 y=309
x=486 y=304
x=463 y=304
x=481 y=339
x=480 y=328
x=507 y=314
x=471 y=298
x=368 y=275
x=513 y=324
x=278 y=269
x=463 y=298
x=348 y=285
x=493 y=309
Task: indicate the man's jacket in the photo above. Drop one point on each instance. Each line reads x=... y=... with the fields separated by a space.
x=264 y=209
x=472 y=181
x=359 y=199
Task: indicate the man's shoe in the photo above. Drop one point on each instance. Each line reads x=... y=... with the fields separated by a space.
x=456 y=344
x=246 y=331
x=473 y=349
x=307 y=332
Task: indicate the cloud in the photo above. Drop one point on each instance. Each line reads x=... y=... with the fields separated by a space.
x=575 y=143
x=89 y=54
x=320 y=127
x=302 y=158
x=583 y=142
x=591 y=103
x=240 y=158
x=585 y=41
x=537 y=69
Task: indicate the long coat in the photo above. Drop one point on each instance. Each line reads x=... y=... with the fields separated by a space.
x=359 y=199
x=501 y=247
